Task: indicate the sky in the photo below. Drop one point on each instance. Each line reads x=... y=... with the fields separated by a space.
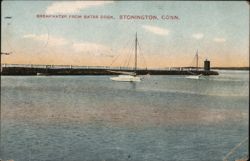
x=219 y=30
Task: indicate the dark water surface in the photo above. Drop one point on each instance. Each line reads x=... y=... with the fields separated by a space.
x=91 y=118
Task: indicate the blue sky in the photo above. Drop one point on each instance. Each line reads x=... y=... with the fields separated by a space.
x=219 y=30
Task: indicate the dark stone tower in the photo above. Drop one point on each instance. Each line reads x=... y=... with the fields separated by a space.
x=207 y=65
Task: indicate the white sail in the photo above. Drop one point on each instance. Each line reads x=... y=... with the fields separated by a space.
x=194 y=76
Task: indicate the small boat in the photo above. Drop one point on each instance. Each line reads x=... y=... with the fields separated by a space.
x=42 y=74
x=194 y=76
x=128 y=76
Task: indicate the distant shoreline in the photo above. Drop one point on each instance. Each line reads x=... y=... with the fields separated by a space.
x=231 y=68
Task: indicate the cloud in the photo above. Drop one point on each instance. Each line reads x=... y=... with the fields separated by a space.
x=52 y=40
x=72 y=7
x=78 y=47
x=156 y=30
x=87 y=47
x=29 y=36
x=220 y=40
x=198 y=36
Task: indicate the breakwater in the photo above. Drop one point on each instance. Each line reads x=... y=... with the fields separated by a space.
x=69 y=70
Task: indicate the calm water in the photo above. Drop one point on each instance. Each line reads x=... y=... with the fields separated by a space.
x=91 y=118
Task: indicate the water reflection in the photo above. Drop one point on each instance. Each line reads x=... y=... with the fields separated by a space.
x=133 y=85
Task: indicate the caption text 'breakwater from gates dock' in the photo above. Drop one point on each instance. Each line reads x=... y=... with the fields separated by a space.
x=110 y=17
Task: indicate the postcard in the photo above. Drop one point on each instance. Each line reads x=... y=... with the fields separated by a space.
x=124 y=81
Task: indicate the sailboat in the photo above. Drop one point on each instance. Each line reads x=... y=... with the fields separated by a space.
x=193 y=76
x=128 y=76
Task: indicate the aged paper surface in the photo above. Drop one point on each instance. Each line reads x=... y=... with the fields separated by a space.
x=124 y=80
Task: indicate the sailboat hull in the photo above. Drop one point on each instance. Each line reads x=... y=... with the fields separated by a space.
x=194 y=76
x=126 y=78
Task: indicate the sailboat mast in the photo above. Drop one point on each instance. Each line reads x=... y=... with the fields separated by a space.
x=197 y=57
x=135 y=52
